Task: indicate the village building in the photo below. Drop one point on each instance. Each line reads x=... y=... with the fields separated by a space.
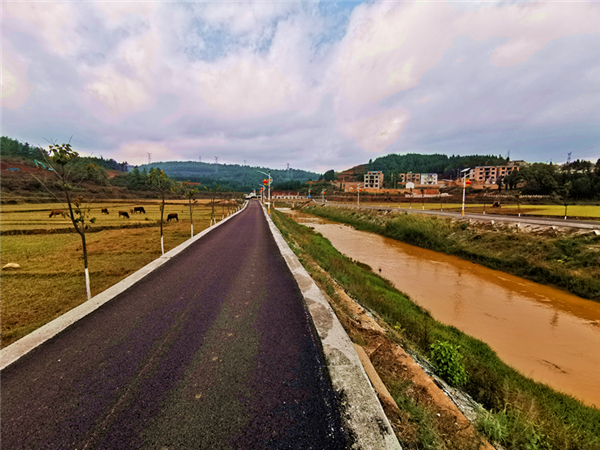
x=373 y=180
x=491 y=174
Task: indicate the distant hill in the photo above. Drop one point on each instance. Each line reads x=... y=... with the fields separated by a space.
x=447 y=166
x=229 y=176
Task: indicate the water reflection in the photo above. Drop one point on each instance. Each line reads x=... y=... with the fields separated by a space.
x=545 y=333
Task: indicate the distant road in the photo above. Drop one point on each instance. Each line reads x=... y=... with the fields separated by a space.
x=524 y=219
x=212 y=350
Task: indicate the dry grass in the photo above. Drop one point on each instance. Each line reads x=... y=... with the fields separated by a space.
x=50 y=281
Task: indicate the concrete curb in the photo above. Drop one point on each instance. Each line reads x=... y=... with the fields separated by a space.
x=27 y=343
x=362 y=413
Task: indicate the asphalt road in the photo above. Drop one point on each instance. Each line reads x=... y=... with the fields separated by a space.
x=213 y=350
x=524 y=219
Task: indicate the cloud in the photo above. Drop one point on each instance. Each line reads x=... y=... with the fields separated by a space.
x=316 y=85
x=14 y=86
x=375 y=133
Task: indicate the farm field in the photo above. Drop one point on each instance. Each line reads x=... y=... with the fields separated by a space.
x=50 y=281
x=581 y=211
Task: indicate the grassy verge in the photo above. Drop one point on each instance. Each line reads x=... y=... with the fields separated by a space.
x=51 y=282
x=570 y=262
x=522 y=414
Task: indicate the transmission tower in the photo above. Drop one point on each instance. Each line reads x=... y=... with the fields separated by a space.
x=149 y=157
x=216 y=160
x=569 y=158
x=288 y=172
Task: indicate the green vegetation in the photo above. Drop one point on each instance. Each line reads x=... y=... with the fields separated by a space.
x=579 y=180
x=570 y=262
x=448 y=363
x=50 y=281
x=535 y=416
x=444 y=165
x=230 y=177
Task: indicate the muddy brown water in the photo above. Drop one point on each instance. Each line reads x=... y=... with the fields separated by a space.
x=545 y=333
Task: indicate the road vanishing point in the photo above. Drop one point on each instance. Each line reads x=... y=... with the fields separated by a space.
x=213 y=349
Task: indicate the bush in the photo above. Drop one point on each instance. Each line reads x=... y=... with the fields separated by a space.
x=448 y=363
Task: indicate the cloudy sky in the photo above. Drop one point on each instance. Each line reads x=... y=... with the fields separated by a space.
x=318 y=85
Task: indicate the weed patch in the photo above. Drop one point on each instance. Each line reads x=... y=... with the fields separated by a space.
x=535 y=416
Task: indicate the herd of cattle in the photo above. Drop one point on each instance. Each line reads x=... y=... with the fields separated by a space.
x=136 y=210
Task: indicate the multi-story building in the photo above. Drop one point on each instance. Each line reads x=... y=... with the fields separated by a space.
x=410 y=177
x=373 y=180
x=490 y=174
x=429 y=179
x=419 y=179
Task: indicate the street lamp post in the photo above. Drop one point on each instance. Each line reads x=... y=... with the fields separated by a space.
x=464 y=172
x=358 y=186
x=269 y=186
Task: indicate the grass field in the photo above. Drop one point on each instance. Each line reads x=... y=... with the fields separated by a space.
x=584 y=211
x=50 y=281
x=522 y=414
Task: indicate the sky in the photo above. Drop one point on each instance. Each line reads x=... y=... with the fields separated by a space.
x=316 y=85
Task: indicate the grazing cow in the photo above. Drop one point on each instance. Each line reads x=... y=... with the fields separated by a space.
x=172 y=216
x=57 y=212
x=104 y=211
x=139 y=209
x=124 y=214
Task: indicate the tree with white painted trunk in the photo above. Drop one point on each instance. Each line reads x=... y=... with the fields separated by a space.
x=60 y=161
x=161 y=183
x=186 y=189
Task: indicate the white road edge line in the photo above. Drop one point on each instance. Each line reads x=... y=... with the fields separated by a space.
x=16 y=350
x=362 y=412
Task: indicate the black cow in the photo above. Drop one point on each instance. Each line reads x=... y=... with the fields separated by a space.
x=123 y=214
x=139 y=209
x=104 y=210
x=172 y=216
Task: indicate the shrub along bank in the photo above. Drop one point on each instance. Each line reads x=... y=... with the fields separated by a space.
x=522 y=414
x=570 y=261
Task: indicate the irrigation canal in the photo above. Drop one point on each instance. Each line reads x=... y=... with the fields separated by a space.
x=214 y=350
x=545 y=333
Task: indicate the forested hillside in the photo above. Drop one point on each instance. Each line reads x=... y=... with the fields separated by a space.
x=14 y=149
x=228 y=176
x=447 y=166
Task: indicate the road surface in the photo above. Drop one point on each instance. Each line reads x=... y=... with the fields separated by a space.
x=213 y=350
x=524 y=219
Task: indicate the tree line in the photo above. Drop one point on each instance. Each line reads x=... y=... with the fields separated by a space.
x=14 y=149
x=578 y=180
x=232 y=177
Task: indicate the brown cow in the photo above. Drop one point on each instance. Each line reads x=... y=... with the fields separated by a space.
x=172 y=216
x=139 y=209
x=104 y=210
x=124 y=214
x=57 y=212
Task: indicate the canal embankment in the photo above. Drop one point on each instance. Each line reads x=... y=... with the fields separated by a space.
x=569 y=259
x=520 y=412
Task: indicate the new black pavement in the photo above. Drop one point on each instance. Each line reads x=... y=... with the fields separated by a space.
x=212 y=350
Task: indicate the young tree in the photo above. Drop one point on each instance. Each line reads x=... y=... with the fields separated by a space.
x=518 y=199
x=486 y=190
x=213 y=195
x=160 y=182
x=565 y=191
x=186 y=189
x=62 y=158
